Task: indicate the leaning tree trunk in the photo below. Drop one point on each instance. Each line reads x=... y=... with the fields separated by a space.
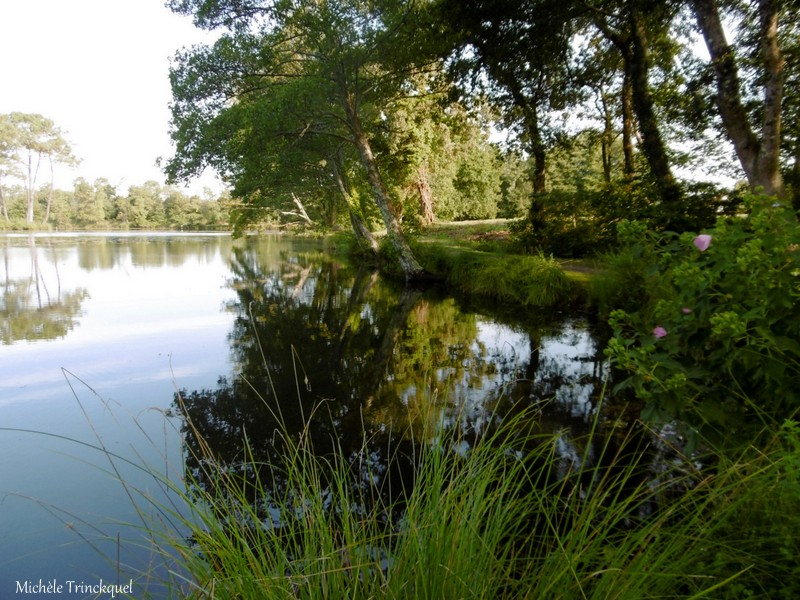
x=364 y=238
x=759 y=158
x=405 y=257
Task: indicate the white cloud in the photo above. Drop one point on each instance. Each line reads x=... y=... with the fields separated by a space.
x=100 y=70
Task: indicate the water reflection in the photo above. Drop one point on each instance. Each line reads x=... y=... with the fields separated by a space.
x=375 y=369
x=34 y=305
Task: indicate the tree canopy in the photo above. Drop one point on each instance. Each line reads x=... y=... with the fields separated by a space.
x=407 y=111
x=25 y=140
x=286 y=87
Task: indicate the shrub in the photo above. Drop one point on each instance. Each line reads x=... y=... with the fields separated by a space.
x=720 y=344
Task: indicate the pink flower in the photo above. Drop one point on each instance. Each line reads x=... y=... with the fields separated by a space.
x=659 y=332
x=702 y=242
x=686 y=310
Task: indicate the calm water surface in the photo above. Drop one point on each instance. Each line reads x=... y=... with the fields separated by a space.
x=99 y=332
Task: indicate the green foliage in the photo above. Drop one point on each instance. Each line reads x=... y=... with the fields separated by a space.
x=584 y=223
x=99 y=206
x=531 y=281
x=495 y=521
x=727 y=353
x=623 y=281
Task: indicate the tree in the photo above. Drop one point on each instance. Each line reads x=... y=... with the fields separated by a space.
x=523 y=49
x=439 y=160
x=8 y=165
x=28 y=138
x=337 y=64
x=632 y=27
x=90 y=203
x=758 y=153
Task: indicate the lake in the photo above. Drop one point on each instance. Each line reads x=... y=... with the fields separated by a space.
x=104 y=337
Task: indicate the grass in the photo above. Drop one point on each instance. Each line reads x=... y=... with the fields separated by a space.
x=504 y=519
x=526 y=281
x=495 y=522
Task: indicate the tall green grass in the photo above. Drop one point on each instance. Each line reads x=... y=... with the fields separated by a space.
x=495 y=522
x=516 y=280
x=507 y=518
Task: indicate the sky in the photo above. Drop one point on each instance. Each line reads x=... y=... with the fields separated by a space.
x=99 y=69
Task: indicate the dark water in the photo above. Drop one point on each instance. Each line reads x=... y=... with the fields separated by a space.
x=99 y=332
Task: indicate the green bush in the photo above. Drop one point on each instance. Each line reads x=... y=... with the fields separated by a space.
x=718 y=343
x=584 y=223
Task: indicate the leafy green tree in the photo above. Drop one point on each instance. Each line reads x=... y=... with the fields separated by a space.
x=89 y=205
x=29 y=138
x=521 y=50
x=440 y=162
x=326 y=68
x=179 y=210
x=636 y=28
x=144 y=206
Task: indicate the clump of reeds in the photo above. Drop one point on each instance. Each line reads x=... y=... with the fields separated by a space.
x=494 y=522
x=503 y=519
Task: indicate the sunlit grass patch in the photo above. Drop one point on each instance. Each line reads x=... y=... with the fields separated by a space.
x=519 y=280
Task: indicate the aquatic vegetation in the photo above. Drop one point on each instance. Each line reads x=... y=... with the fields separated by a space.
x=502 y=519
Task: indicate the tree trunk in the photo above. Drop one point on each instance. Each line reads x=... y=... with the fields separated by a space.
x=607 y=137
x=653 y=147
x=759 y=158
x=49 y=194
x=301 y=209
x=412 y=270
x=536 y=147
x=795 y=178
x=627 y=122
x=29 y=211
x=364 y=238
x=3 y=206
x=425 y=196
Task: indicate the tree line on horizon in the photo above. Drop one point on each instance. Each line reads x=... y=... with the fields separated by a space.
x=30 y=143
x=100 y=206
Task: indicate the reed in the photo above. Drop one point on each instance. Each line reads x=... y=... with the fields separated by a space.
x=494 y=522
x=503 y=519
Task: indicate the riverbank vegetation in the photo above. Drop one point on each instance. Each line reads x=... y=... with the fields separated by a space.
x=602 y=133
x=506 y=516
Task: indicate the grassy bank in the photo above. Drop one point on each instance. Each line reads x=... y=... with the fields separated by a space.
x=517 y=280
x=478 y=259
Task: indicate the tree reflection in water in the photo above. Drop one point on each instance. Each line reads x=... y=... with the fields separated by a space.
x=370 y=370
x=35 y=307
